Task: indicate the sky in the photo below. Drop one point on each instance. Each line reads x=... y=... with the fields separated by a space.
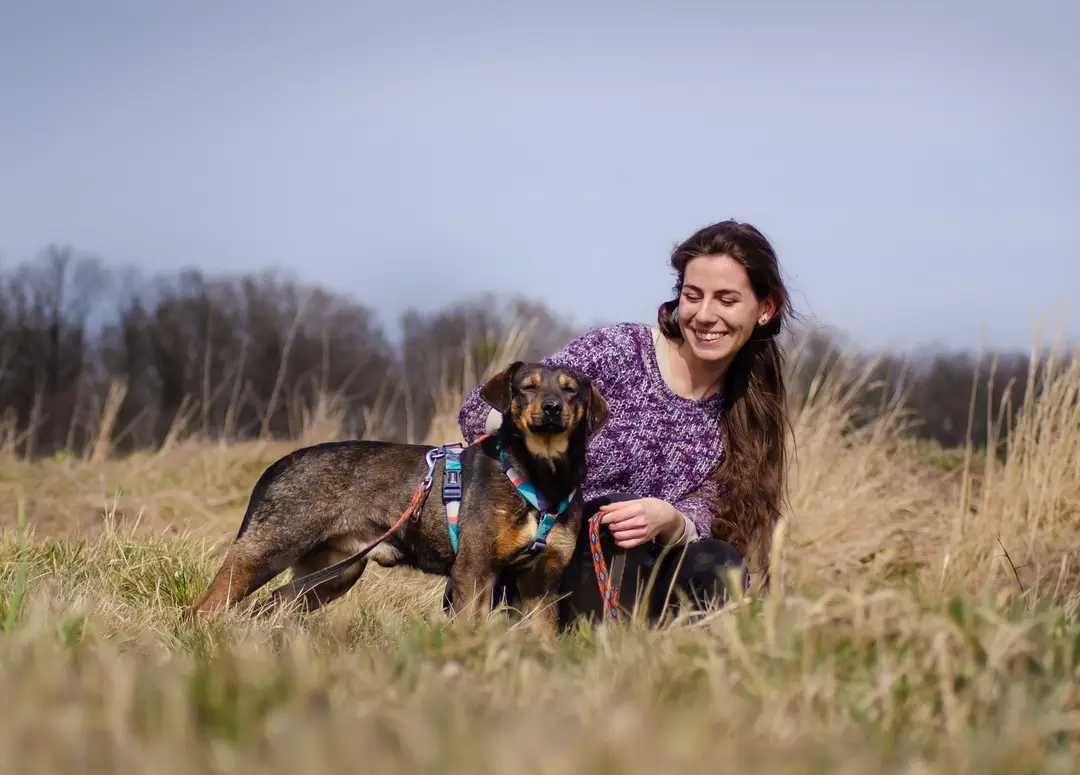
x=915 y=164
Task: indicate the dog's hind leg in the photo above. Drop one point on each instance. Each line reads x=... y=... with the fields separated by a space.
x=309 y=598
x=257 y=556
x=238 y=577
x=471 y=590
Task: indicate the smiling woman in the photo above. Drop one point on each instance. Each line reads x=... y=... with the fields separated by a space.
x=693 y=451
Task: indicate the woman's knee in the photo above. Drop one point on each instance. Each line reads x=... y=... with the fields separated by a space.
x=705 y=570
x=709 y=554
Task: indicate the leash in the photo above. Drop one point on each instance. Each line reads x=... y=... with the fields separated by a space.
x=609 y=587
x=413 y=510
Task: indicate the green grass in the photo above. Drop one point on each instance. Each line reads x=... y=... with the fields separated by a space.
x=101 y=672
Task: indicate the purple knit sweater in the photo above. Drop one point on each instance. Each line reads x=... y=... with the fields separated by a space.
x=655 y=443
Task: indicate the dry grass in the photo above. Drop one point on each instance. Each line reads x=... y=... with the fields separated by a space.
x=899 y=638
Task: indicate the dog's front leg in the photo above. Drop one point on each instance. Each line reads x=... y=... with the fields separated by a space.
x=538 y=586
x=471 y=587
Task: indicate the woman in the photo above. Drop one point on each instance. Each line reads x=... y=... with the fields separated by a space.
x=693 y=450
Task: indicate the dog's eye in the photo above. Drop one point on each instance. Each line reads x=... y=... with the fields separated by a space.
x=569 y=390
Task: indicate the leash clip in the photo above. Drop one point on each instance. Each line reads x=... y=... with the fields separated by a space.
x=430 y=458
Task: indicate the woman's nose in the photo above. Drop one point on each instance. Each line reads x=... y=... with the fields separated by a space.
x=709 y=311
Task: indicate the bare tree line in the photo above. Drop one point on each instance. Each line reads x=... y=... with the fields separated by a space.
x=951 y=397
x=95 y=358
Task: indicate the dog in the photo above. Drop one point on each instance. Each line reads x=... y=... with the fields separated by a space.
x=315 y=508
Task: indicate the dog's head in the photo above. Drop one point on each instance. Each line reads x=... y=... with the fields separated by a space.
x=544 y=402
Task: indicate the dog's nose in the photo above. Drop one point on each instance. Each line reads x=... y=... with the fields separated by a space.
x=551 y=406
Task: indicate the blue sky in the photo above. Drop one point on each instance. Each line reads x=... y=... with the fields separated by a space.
x=915 y=164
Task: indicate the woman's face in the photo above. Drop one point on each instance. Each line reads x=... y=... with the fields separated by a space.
x=717 y=308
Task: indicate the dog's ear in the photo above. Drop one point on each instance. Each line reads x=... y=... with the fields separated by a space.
x=496 y=391
x=597 y=413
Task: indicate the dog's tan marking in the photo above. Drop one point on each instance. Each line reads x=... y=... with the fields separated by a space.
x=509 y=541
x=562 y=540
x=548 y=446
x=560 y=548
x=566 y=382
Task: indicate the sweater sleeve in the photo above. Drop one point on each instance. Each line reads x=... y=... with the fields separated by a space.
x=596 y=354
x=695 y=506
x=473 y=415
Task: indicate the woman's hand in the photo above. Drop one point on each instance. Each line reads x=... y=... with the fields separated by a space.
x=639 y=521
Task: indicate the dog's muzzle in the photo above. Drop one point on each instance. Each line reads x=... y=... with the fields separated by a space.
x=550 y=418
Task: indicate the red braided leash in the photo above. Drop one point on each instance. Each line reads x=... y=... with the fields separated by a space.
x=609 y=593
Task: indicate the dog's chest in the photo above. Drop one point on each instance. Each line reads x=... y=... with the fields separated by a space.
x=516 y=533
x=514 y=530
x=496 y=514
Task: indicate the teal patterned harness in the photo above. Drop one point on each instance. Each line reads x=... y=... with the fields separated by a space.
x=451 y=454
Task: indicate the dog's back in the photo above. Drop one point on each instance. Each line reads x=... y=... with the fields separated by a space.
x=317 y=479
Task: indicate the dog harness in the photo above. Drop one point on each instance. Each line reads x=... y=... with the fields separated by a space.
x=451 y=491
x=451 y=455
x=548 y=516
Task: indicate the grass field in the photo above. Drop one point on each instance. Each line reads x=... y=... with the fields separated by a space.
x=923 y=619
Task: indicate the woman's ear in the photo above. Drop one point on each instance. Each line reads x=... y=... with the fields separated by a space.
x=768 y=311
x=496 y=391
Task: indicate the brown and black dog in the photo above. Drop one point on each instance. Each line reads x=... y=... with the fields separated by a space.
x=317 y=506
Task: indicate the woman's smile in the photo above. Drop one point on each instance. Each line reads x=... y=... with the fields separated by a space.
x=707 y=337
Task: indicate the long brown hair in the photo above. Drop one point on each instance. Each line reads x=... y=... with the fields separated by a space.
x=752 y=476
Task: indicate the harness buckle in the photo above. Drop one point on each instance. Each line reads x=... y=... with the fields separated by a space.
x=528 y=553
x=451 y=485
